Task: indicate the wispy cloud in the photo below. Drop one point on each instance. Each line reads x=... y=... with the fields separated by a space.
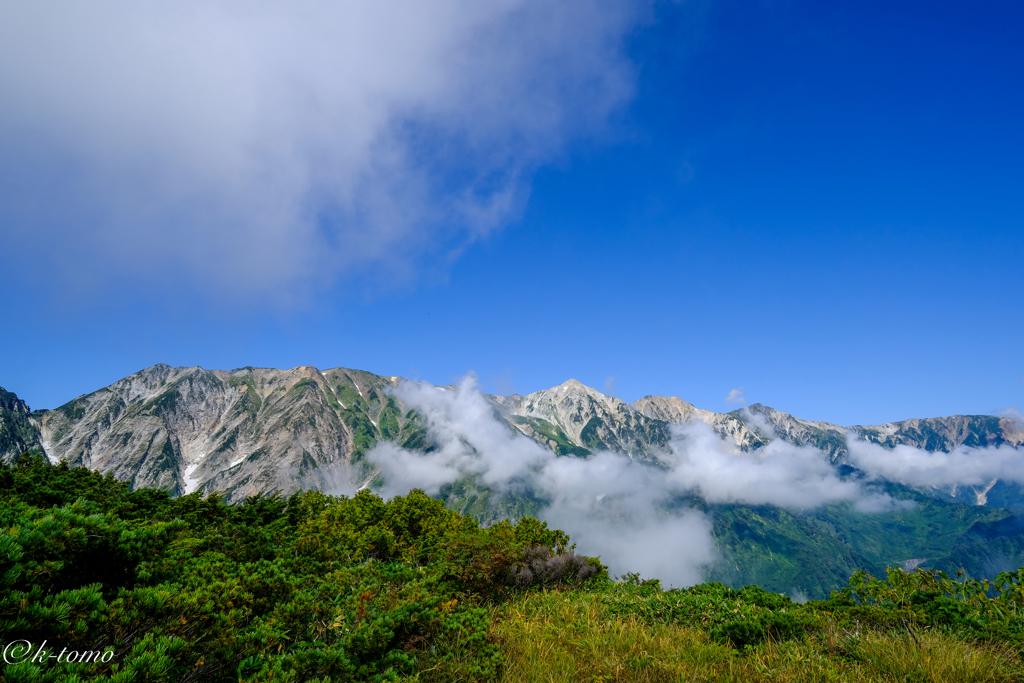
x=261 y=149
x=736 y=397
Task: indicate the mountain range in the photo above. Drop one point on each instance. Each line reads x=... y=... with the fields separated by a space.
x=252 y=431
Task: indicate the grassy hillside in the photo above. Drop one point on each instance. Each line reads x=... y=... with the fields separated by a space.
x=138 y=586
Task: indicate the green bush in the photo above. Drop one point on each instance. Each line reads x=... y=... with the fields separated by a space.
x=308 y=587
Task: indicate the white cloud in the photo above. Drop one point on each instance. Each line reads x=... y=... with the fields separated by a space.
x=758 y=422
x=469 y=441
x=963 y=465
x=736 y=396
x=613 y=507
x=264 y=147
x=777 y=474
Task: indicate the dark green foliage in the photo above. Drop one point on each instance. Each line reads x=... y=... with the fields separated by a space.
x=309 y=587
x=1006 y=494
x=590 y=437
x=469 y=497
x=17 y=433
x=759 y=628
x=562 y=445
x=73 y=410
x=303 y=385
x=389 y=427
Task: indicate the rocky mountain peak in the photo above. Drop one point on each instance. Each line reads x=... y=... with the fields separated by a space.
x=573 y=417
x=569 y=397
x=9 y=402
x=251 y=430
x=666 y=408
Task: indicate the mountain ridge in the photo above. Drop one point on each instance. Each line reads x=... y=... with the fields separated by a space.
x=188 y=428
x=252 y=431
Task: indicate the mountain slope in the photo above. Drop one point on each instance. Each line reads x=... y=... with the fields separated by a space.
x=246 y=431
x=931 y=434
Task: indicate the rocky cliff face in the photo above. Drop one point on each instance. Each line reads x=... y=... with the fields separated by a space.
x=254 y=430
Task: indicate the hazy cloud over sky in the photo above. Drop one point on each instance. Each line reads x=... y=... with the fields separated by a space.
x=260 y=148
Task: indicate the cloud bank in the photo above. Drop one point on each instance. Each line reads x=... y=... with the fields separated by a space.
x=963 y=465
x=262 y=148
x=623 y=510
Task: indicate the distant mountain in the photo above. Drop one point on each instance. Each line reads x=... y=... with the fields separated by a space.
x=575 y=419
x=254 y=430
x=932 y=434
x=244 y=432
x=249 y=430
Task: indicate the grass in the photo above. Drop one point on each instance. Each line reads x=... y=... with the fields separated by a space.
x=574 y=636
x=568 y=637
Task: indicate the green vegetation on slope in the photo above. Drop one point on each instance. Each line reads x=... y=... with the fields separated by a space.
x=17 y=433
x=315 y=588
x=815 y=551
x=812 y=552
x=637 y=632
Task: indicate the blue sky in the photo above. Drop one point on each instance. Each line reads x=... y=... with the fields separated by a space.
x=821 y=205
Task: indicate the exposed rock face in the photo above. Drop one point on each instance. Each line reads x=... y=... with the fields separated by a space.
x=945 y=434
x=932 y=434
x=254 y=430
